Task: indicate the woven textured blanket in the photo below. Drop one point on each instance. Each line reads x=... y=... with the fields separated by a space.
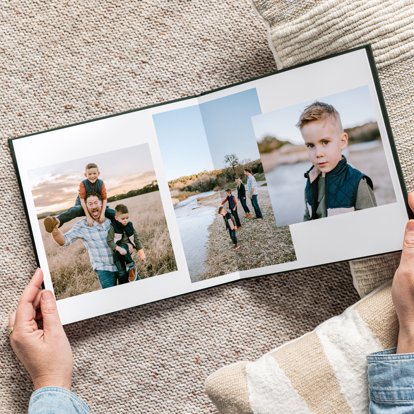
x=63 y=62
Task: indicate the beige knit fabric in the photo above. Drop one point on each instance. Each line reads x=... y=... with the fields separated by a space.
x=370 y=273
x=303 y=30
x=63 y=62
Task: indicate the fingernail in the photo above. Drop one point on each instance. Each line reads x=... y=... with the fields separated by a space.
x=47 y=296
x=410 y=225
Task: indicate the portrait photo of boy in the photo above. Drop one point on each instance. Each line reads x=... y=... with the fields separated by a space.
x=324 y=157
x=333 y=186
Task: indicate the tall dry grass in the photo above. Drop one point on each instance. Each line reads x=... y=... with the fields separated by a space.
x=70 y=267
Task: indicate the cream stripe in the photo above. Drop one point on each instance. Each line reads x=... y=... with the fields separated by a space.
x=305 y=364
x=347 y=341
x=227 y=388
x=270 y=390
x=377 y=311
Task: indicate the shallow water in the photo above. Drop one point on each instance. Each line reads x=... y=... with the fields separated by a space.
x=286 y=183
x=193 y=222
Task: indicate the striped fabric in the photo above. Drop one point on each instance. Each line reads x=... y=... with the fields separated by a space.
x=322 y=372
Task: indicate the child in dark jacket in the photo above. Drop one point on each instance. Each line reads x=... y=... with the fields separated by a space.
x=92 y=184
x=121 y=235
x=333 y=186
x=232 y=207
x=230 y=225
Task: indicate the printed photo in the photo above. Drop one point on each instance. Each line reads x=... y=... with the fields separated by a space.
x=219 y=189
x=324 y=157
x=102 y=221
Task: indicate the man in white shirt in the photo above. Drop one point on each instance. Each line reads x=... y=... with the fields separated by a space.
x=252 y=191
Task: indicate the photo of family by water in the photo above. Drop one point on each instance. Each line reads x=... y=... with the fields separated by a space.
x=102 y=221
x=324 y=157
x=218 y=187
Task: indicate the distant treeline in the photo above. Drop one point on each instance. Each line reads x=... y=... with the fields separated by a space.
x=214 y=180
x=361 y=133
x=149 y=188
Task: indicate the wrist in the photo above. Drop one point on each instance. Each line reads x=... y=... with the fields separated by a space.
x=405 y=341
x=47 y=381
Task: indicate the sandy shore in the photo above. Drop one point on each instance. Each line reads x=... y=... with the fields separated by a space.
x=261 y=242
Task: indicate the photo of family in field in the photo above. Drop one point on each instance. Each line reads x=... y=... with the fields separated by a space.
x=324 y=157
x=218 y=187
x=102 y=221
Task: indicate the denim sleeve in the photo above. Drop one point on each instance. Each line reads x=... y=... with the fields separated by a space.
x=391 y=382
x=52 y=400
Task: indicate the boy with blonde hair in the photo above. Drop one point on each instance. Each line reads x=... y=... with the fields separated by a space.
x=333 y=186
x=92 y=184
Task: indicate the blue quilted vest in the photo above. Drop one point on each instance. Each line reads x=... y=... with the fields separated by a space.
x=119 y=230
x=91 y=188
x=341 y=186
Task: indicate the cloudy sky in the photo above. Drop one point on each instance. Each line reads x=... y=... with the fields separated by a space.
x=55 y=187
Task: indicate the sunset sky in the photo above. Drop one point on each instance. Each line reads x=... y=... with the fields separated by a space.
x=55 y=187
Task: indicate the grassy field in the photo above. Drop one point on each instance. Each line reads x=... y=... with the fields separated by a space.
x=261 y=242
x=70 y=267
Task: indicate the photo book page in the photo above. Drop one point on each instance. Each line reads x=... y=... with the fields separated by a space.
x=291 y=170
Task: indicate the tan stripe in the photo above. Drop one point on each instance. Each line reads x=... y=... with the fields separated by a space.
x=305 y=364
x=227 y=388
x=377 y=311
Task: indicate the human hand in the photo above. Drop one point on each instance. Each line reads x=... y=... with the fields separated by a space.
x=89 y=220
x=141 y=255
x=403 y=288
x=121 y=250
x=130 y=248
x=45 y=353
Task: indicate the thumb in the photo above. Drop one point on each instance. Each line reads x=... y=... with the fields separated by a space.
x=407 y=256
x=51 y=320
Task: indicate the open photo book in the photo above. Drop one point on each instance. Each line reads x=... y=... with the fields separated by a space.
x=291 y=170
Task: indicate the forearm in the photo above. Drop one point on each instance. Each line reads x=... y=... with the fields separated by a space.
x=83 y=204
x=110 y=238
x=58 y=236
x=137 y=241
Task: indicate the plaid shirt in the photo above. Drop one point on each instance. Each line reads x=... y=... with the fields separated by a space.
x=94 y=239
